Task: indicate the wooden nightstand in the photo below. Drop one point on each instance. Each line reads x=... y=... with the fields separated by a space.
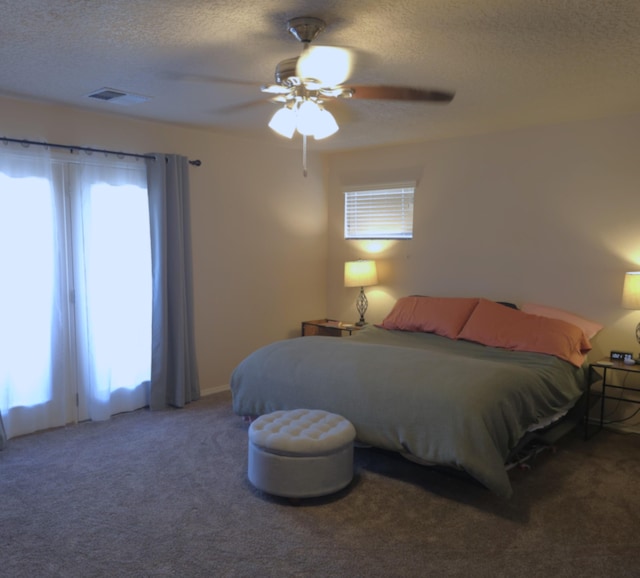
x=328 y=327
x=598 y=373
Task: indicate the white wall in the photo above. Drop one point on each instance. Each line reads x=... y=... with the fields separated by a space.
x=259 y=228
x=543 y=214
x=548 y=214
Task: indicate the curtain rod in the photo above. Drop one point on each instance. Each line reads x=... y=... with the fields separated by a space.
x=71 y=148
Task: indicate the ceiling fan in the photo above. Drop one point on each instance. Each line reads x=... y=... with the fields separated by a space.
x=317 y=76
x=304 y=84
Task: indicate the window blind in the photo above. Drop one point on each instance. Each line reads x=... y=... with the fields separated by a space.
x=379 y=213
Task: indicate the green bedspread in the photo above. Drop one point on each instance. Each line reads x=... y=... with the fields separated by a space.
x=453 y=403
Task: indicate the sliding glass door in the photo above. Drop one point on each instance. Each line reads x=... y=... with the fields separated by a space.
x=75 y=290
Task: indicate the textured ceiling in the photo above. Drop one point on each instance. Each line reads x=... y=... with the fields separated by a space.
x=511 y=63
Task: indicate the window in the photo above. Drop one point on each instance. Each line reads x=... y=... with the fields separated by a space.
x=384 y=212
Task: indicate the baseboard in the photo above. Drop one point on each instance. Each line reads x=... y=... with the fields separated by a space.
x=212 y=390
x=633 y=428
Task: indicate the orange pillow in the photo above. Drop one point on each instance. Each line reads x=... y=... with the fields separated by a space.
x=497 y=326
x=441 y=315
x=590 y=328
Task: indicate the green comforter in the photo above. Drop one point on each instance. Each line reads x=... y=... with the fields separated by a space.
x=447 y=402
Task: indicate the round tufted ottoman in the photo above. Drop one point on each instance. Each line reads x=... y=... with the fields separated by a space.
x=301 y=453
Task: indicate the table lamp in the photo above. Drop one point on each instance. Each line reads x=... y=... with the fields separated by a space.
x=631 y=295
x=362 y=273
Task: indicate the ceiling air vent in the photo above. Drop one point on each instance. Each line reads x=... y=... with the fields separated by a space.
x=118 y=96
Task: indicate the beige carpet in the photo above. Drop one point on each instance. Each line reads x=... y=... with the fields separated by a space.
x=165 y=494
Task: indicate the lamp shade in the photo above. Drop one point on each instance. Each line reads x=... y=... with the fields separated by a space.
x=284 y=122
x=309 y=117
x=326 y=125
x=360 y=273
x=631 y=291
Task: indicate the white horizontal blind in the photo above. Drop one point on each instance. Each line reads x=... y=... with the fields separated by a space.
x=379 y=213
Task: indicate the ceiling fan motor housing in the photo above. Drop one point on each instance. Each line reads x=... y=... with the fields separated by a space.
x=286 y=69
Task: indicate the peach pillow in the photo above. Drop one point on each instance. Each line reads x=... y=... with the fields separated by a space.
x=590 y=328
x=497 y=326
x=441 y=315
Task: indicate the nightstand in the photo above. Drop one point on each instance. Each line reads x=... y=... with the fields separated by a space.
x=598 y=372
x=327 y=327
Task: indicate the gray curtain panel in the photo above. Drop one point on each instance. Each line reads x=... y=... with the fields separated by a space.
x=174 y=371
x=3 y=435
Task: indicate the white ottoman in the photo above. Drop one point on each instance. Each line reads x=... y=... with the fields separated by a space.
x=301 y=453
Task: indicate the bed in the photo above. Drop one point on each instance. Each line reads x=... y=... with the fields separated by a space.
x=452 y=382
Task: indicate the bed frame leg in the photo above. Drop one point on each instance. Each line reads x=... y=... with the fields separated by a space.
x=522 y=459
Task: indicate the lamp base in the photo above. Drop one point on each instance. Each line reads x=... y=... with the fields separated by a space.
x=361 y=306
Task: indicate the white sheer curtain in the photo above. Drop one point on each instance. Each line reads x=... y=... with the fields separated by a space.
x=75 y=296
x=113 y=286
x=34 y=346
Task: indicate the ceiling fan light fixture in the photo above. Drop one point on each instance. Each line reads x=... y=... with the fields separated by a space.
x=328 y=65
x=326 y=126
x=309 y=117
x=284 y=122
x=305 y=82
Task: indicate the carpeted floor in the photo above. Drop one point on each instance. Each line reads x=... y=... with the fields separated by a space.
x=165 y=494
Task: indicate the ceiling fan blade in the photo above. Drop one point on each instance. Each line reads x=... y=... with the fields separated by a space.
x=400 y=93
x=209 y=79
x=275 y=89
x=242 y=106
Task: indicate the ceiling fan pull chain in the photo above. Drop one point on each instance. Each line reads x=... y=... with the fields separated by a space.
x=304 y=155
